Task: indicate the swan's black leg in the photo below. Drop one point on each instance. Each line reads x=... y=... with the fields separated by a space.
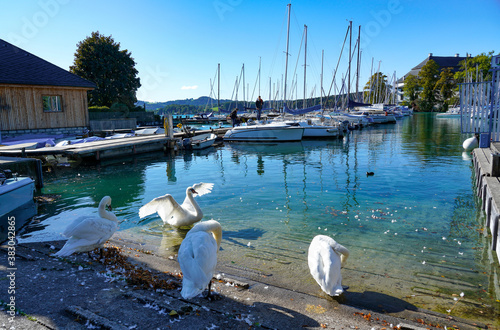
x=209 y=290
x=212 y=296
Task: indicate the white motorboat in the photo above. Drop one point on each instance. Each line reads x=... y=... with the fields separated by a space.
x=378 y=116
x=362 y=119
x=273 y=132
x=16 y=203
x=203 y=141
x=316 y=130
x=451 y=113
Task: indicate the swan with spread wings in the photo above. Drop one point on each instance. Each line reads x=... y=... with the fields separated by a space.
x=175 y=214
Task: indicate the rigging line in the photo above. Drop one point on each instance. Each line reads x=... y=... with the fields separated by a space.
x=213 y=83
x=256 y=79
x=338 y=62
x=354 y=50
x=298 y=57
x=211 y=90
x=276 y=52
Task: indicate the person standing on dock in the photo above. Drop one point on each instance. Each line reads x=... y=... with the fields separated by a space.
x=234 y=116
x=258 y=104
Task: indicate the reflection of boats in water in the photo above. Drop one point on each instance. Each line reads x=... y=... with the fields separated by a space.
x=320 y=144
x=266 y=148
x=284 y=148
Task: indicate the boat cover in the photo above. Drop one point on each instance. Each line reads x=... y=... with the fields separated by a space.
x=353 y=104
x=302 y=111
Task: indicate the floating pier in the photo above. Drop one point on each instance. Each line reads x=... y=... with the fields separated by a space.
x=103 y=149
x=487 y=168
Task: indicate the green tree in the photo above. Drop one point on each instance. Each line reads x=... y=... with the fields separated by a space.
x=444 y=88
x=411 y=89
x=428 y=76
x=99 y=59
x=477 y=67
x=376 y=88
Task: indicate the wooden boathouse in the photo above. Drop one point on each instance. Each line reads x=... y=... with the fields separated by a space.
x=39 y=97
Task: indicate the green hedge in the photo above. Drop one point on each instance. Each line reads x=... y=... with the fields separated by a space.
x=99 y=109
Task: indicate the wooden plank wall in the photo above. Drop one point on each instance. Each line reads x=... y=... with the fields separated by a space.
x=21 y=107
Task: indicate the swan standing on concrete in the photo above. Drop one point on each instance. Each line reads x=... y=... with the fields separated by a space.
x=87 y=233
x=325 y=258
x=174 y=214
x=198 y=257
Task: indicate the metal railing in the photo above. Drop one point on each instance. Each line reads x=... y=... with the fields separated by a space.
x=480 y=107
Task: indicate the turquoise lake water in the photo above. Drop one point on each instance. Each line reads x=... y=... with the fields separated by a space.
x=414 y=228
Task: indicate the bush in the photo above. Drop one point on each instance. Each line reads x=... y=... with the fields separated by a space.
x=98 y=109
x=425 y=106
x=120 y=107
x=138 y=109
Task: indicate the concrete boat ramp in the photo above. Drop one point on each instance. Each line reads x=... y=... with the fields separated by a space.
x=487 y=169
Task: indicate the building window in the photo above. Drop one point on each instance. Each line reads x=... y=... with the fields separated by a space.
x=52 y=103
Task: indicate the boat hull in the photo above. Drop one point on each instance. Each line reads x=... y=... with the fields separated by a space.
x=16 y=204
x=312 y=132
x=203 y=141
x=265 y=133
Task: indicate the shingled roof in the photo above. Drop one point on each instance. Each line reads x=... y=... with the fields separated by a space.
x=22 y=68
x=452 y=62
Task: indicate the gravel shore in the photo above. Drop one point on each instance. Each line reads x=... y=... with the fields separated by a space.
x=134 y=289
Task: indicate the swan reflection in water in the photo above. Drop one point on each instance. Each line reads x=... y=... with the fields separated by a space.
x=170 y=238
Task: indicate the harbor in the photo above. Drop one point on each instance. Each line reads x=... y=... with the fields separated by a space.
x=304 y=188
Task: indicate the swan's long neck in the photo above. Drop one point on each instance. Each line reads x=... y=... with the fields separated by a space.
x=344 y=252
x=190 y=197
x=103 y=213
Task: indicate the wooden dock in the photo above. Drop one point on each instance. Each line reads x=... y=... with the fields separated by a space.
x=103 y=149
x=487 y=168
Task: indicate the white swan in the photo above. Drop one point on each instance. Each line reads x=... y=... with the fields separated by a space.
x=174 y=214
x=87 y=233
x=198 y=257
x=325 y=258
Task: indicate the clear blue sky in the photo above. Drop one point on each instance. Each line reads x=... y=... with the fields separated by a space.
x=177 y=44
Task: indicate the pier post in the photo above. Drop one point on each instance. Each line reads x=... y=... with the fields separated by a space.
x=495 y=164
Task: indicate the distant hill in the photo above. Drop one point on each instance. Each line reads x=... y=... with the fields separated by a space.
x=201 y=102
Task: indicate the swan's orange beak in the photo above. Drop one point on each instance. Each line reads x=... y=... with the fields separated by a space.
x=193 y=191
x=109 y=207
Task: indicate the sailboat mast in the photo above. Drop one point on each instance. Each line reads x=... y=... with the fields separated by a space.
x=269 y=105
x=260 y=58
x=286 y=55
x=321 y=88
x=243 y=73
x=305 y=64
x=350 y=58
x=358 y=65
x=218 y=86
